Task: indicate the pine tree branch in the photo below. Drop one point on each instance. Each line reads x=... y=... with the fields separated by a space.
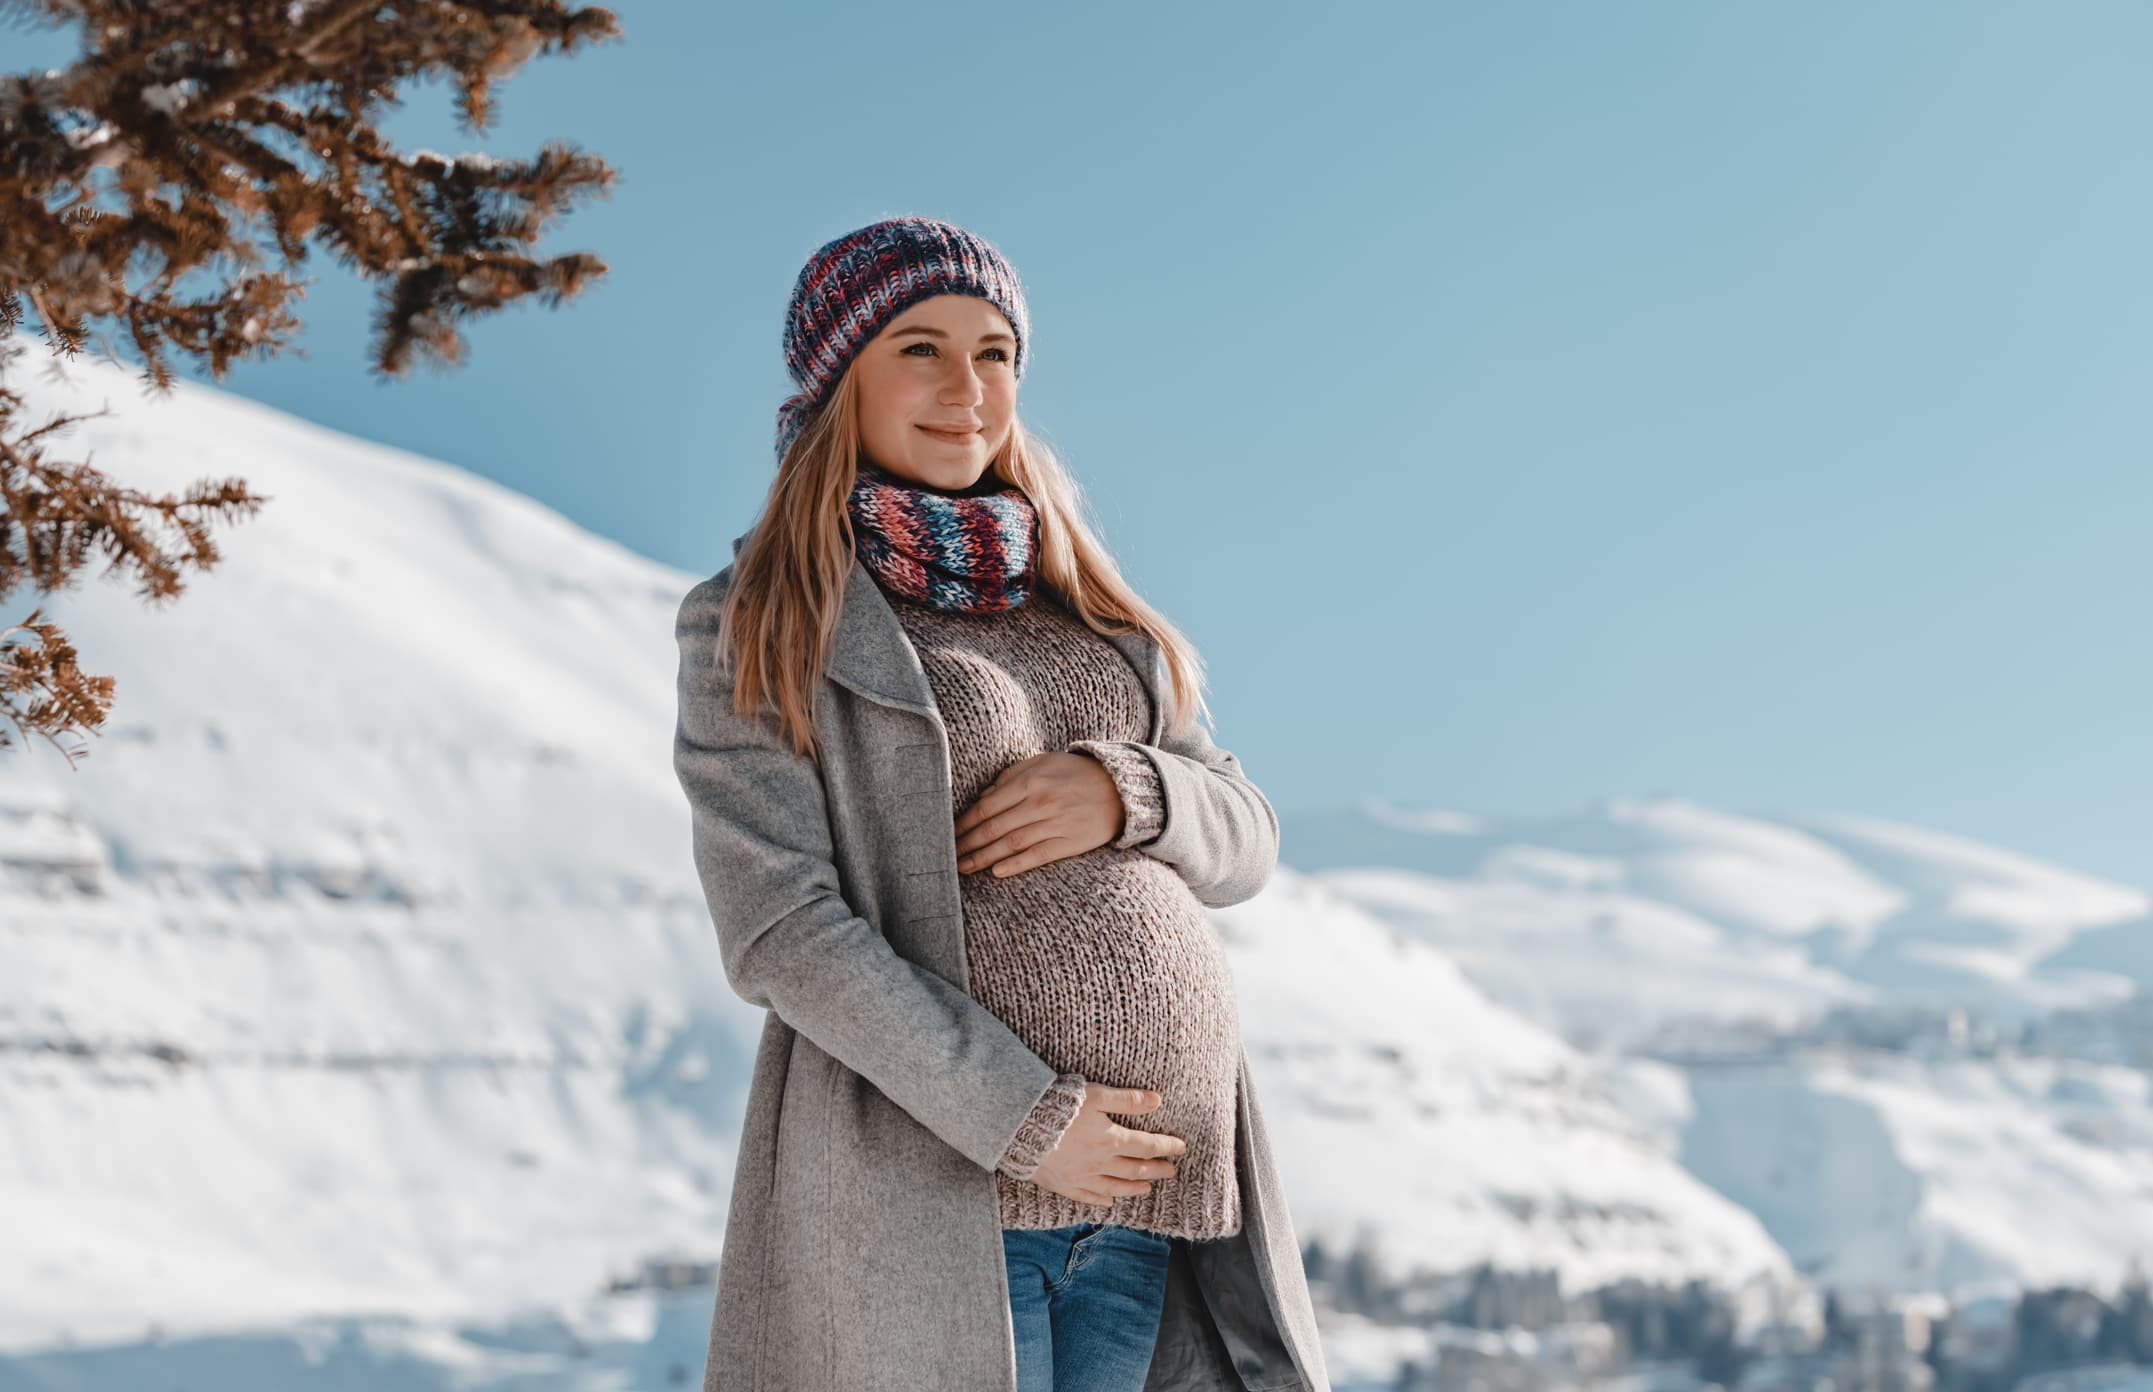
x=219 y=140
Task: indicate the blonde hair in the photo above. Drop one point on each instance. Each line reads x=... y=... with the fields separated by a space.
x=778 y=618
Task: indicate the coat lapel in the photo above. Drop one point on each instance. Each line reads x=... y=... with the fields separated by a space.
x=873 y=656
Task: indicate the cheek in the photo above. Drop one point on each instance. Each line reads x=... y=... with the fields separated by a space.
x=911 y=396
x=888 y=402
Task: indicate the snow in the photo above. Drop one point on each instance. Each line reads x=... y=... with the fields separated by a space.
x=474 y=159
x=383 y=846
x=1438 y=1129
x=1733 y=977
x=169 y=97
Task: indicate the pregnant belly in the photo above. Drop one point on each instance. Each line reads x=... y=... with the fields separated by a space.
x=1106 y=965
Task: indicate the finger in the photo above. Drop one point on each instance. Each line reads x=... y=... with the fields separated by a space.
x=983 y=807
x=1017 y=839
x=985 y=856
x=1114 y=1099
x=997 y=828
x=989 y=844
x=1146 y=1145
x=1003 y=791
x=989 y=802
x=1131 y=1167
x=1038 y=853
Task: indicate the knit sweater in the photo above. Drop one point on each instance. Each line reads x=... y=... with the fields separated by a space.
x=1105 y=962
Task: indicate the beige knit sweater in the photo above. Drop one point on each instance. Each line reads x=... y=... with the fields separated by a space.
x=1104 y=963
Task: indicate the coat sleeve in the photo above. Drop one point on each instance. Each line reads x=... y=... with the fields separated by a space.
x=1220 y=833
x=791 y=944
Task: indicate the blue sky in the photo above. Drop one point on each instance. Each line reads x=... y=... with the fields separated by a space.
x=1518 y=403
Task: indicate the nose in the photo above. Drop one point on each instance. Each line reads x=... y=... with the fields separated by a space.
x=967 y=385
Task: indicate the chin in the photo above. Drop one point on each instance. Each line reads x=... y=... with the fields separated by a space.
x=950 y=474
x=946 y=478
x=943 y=474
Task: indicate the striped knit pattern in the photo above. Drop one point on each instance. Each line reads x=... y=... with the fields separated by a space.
x=1104 y=962
x=855 y=285
x=968 y=553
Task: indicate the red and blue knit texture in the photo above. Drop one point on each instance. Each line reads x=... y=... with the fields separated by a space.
x=851 y=288
x=969 y=553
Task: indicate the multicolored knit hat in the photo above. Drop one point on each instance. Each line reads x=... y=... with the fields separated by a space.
x=852 y=287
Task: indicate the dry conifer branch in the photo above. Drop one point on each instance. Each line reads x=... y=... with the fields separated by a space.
x=61 y=700
x=146 y=185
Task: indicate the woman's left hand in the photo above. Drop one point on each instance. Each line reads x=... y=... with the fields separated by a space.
x=1047 y=807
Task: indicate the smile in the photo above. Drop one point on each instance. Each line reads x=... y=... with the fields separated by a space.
x=955 y=437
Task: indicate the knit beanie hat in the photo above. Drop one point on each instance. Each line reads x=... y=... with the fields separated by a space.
x=854 y=286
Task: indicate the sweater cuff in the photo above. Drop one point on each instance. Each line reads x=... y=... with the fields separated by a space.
x=1043 y=1130
x=1136 y=778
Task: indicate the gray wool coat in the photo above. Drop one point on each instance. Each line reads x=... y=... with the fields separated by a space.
x=863 y=1248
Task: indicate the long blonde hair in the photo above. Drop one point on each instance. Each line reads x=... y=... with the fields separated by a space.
x=779 y=615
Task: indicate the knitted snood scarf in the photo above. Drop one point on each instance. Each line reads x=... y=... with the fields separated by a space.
x=970 y=552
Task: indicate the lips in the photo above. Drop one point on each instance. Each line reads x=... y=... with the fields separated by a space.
x=956 y=436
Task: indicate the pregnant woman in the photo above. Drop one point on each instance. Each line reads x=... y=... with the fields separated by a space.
x=958 y=836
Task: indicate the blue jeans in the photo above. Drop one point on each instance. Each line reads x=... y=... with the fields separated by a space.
x=1084 y=1301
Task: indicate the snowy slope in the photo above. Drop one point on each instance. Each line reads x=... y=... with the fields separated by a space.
x=1763 y=991
x=1881 y=1171
x=358 y=966
x=1448 y=1130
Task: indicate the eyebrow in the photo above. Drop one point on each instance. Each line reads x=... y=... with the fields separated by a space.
x=937 y=333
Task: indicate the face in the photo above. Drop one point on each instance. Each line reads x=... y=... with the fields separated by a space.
x=937 y=391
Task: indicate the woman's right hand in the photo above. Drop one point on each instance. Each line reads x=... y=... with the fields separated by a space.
x=1099 y=1160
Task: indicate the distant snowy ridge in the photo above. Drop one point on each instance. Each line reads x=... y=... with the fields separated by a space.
x=1921 y=1062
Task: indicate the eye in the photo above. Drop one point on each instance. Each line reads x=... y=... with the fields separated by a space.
x=923 y=343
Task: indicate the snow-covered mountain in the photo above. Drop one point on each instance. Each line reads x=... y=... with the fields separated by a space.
x=361 y=971
x=359 y=965
x=1920 y=1062
x=1664 y=909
